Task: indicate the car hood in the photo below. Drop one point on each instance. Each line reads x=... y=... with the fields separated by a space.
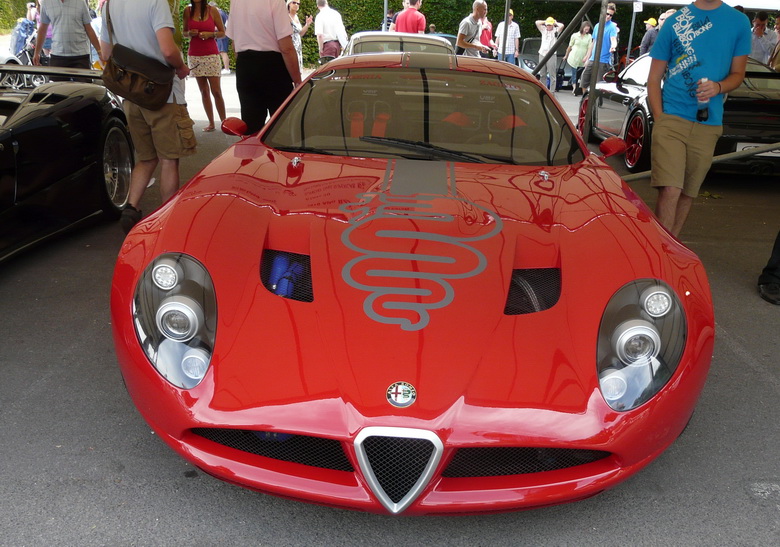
x=411 y=265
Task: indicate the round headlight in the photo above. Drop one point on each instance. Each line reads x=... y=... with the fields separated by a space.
x=636 y=340
x=613 y=386
x=166 y=274
x=656 y=301
x=194 y=363
x=179 y=318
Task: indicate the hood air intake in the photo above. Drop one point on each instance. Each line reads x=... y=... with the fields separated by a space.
x=533 y=290
x=287 y=275
x=397 y=463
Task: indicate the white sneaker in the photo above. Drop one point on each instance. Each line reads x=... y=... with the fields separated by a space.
x=225 y=71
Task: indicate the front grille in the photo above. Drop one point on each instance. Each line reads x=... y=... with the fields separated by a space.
x=397 y=462
x=508 y=460
x=312 y=451
x=533 y=290
x=287 y=274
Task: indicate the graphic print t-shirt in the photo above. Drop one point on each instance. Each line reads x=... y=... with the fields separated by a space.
x=699 y=44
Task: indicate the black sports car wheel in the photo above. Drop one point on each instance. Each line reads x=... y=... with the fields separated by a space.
x=117 y=165
x=637 y=156
x=586 y=132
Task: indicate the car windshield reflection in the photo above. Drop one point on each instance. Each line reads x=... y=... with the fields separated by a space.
x=477 y=117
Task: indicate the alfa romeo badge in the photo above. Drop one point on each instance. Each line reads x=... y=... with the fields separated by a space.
x=401 y=394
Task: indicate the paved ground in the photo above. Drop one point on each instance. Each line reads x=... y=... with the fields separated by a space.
x=80 y=467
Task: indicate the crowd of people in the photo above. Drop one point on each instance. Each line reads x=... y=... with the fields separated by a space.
x=267 y=34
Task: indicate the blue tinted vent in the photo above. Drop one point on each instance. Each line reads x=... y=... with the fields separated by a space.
x=533 y=290
x=287 y=275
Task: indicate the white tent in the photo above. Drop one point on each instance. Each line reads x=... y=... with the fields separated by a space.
x=752 y=5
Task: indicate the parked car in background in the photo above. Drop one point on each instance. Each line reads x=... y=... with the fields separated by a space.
x=394 y=298
x=529 y=58
x=451 y=38
x=388 y=42
x=751 y=117
x=65 y=154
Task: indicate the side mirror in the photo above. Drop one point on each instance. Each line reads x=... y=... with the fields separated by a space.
x=612 y=146
x=611 y=76
x=234 y=126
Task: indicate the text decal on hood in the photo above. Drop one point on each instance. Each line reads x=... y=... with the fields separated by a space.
x=429 y=248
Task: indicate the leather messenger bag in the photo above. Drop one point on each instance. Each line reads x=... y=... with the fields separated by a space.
x=140 y=79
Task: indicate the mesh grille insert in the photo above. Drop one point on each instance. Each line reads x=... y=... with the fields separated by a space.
x=508 y=460
x=533 y=290
x=312 y=451
x=397 y=462
x=287 y=274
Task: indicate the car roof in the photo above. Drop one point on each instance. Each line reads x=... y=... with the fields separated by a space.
x=415 y=59
x=379 y=36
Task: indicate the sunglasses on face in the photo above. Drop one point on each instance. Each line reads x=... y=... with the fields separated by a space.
x=610 y=14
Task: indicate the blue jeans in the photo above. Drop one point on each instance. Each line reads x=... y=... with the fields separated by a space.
x=508 y=57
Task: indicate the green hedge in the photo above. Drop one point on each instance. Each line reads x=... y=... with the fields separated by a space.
x=445 y=14
x=10 y=12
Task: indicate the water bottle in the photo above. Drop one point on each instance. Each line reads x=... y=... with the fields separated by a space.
x=702 y=107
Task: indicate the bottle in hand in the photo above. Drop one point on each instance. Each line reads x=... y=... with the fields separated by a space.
x=703 y=107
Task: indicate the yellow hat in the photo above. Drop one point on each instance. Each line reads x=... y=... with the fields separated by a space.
x=550 y=21
x=652 y=22
x=511 y=13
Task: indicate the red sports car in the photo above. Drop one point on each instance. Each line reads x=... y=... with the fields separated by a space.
x=416 y=291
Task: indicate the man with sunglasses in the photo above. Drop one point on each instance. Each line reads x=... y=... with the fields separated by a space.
x=608 y=46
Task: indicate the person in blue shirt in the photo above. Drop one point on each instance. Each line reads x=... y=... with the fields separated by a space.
x=700 y=53
x=608 y=46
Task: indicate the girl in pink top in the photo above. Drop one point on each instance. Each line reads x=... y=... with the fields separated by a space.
x=203 y=24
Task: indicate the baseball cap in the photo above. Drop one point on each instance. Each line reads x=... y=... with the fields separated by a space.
x=652 y=21
x=549 y=21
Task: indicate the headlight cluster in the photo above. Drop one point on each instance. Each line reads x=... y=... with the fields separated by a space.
x=175 y=316
x=641 y=341
x=529 y=64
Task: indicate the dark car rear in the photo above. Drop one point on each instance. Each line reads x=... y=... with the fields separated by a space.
x=751 y=117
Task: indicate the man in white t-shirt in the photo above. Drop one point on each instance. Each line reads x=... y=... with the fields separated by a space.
x=267 y=66
x=549 y=30
x=330 y=31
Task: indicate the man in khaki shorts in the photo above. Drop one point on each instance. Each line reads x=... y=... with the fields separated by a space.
x=700 y=54
x=159 y=136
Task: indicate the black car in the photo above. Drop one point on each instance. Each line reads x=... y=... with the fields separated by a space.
x=65 y=155
x=751 y=116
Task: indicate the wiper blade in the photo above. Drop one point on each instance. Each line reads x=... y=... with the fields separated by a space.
x=304 y=149
x=420 y=146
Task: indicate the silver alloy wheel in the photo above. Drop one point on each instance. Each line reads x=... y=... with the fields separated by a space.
x=117 y=165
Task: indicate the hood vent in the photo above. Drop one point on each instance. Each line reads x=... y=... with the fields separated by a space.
x=397 y=463
x=287 y=275
x=533 y=290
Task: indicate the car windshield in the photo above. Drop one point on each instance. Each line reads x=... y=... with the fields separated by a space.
x=426 y=114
